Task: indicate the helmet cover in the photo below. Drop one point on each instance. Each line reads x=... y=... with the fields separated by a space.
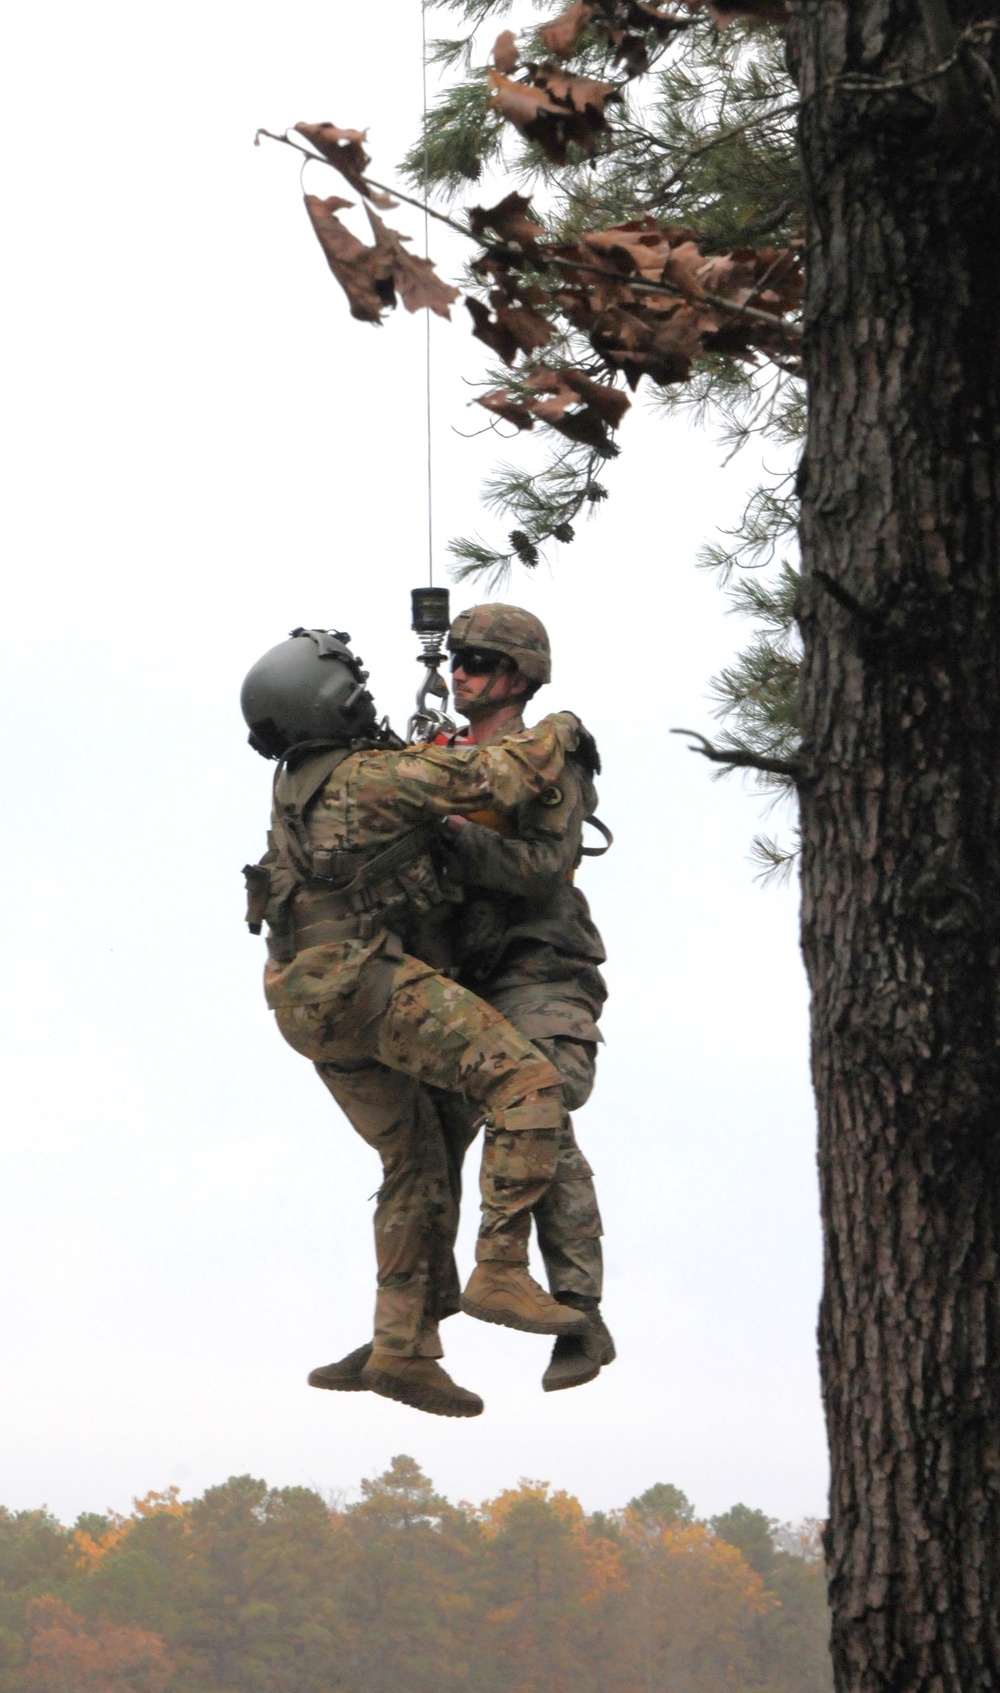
x=505 y=629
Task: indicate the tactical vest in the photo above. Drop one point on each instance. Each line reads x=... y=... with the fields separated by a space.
x=308 y=892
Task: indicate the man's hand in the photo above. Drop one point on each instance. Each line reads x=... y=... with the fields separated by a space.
x=453 y=823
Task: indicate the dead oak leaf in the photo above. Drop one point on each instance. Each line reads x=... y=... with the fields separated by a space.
x=640 y=247
x=414 y=278
x=508 y=407
x=560 y=35
x=491 y=331
x=514 y=329
x=509 y=220
x=520 y=103
x=553 y=109
x=609 y=402
x=641 y=15
x=663 y=347
x=581 y=94
x=685 y=267
x=577 y=407
x=505 y=54
x=341 y=148
x=529 y=328
x=368 y=288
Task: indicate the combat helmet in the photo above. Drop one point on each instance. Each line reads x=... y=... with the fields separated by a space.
x=505 y=629
x=310 y=688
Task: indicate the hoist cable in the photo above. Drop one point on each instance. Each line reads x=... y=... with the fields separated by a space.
x=427 y=315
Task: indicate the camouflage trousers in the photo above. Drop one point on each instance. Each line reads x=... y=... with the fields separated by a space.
x=404 y=1031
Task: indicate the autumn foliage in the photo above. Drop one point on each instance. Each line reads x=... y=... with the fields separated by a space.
x=250 y=1587
x=64 y=1655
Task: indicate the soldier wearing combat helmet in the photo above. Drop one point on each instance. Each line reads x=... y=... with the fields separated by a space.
x=523 y=940
x=511 y=631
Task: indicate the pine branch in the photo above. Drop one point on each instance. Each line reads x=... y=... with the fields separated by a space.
x=544 y=505
x=775 y=862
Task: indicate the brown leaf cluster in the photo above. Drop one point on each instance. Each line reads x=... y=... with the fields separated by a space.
x=642 y=331
x=628 y=26
x=569 y=401
x=633 y=27
x=371 y=276
x=553 y=108
x=647 y=297
x=649 y=300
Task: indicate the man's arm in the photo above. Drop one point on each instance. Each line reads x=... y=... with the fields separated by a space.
x=544 y=851
x=421 y=783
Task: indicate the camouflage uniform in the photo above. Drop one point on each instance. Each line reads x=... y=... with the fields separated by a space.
x=378 y=1022
x=524 y=941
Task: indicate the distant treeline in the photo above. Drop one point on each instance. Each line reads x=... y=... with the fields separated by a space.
x=251 y=1589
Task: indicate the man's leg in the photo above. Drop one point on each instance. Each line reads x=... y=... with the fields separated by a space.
x=567 y=1217
x=413 y=1219
x=569 y=1229
x=460 y=1124
x=447 y=1037
x=427 y=1028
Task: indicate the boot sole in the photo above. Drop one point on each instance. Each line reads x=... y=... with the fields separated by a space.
x=390 y=1387
x=510 y=1320
x=352 y=1385
x=581 y=1380
x=576 y=1381
x=335 y=1378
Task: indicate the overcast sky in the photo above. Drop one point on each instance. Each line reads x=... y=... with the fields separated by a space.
x=203 y=450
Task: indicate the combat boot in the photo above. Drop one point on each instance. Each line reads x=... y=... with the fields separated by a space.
x=345 y=1375
x=579 y=1358
x=420 y=1382
x=506 y=1294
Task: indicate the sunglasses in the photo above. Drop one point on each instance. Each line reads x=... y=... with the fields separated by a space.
x=478 y=661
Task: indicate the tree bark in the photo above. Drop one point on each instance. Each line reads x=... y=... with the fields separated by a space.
x=900 y=618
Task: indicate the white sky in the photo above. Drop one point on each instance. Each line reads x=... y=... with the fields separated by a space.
x=203 y=450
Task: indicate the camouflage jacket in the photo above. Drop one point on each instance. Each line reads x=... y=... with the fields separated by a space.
x=523 y=928
x=366 y=804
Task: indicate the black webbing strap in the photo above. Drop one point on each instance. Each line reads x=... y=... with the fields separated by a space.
x=602 y=829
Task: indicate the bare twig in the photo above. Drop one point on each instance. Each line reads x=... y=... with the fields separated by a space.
x=741 y=758
x=974 y=36
x=634 y=283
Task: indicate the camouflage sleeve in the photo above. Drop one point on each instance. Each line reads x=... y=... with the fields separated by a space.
x=546 y=847
x=429 y=782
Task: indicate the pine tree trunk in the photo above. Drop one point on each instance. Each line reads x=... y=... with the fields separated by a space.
x=900 y=616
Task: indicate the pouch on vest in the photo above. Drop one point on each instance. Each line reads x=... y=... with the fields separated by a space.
x=258 y=881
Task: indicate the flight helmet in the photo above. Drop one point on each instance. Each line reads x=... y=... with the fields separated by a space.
x=310 y=688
